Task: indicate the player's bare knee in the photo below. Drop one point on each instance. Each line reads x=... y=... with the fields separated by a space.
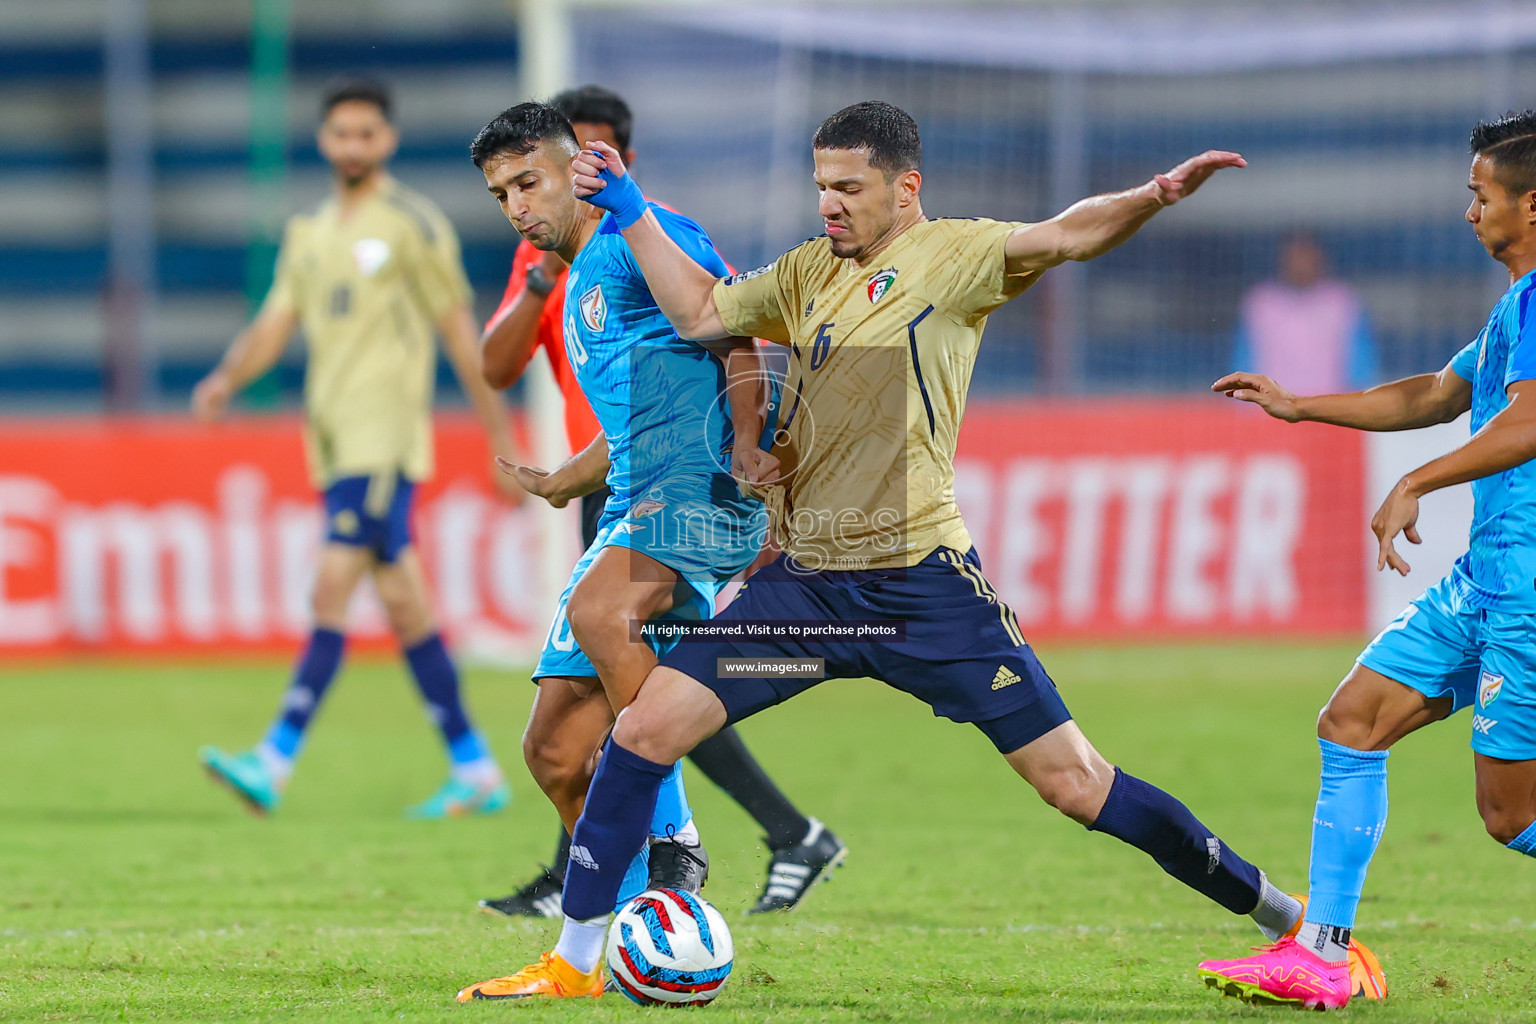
x=1077 y=791
x=1504 y=825
x=646 y=728
x=597 y=621
x=329 y=598
x=554 y=766
x=1347 y=724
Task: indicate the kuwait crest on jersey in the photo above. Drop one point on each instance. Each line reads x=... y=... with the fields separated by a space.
x=880 y=284
x=1488 y=688
x=594 y=308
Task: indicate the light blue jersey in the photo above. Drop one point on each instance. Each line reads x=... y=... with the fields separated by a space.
x=662 y=405
x=1472 y=636
x=1499 y=569
x=660 y=400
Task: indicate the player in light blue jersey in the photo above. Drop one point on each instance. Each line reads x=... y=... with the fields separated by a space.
x=1470 y=640
x=676 y=529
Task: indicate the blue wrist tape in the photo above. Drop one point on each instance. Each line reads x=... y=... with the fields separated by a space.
x=621 y=197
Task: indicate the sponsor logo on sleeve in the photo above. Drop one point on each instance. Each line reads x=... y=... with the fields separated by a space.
x=748 y=275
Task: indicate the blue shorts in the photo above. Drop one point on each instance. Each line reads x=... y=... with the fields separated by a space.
x=706 y=552
x=963 y=654
x=1443 y=646
x=372 y=512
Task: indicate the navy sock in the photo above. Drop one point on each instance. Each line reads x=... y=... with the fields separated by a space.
x=1164 y=829
x=312 y=676
x=438 y=681
x=611 y=831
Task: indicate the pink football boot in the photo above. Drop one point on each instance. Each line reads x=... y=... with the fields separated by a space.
x=1285 y=973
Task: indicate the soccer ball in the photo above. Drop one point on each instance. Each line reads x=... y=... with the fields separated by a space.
x=669 y=948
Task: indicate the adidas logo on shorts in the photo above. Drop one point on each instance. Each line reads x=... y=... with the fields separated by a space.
x=1005 y=677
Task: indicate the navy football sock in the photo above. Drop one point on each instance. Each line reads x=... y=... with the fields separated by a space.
x=312 y=676
x=1164 y=829
x=611 y=831
x=438 y=681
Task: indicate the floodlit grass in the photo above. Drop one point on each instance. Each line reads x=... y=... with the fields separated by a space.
x=135 y=890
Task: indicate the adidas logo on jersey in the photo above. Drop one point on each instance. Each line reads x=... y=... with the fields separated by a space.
x=581 y=855
x=1005 y=677
x=1212 y=855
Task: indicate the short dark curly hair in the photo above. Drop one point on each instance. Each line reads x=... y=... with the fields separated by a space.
x=519 y=130
x=886 y=131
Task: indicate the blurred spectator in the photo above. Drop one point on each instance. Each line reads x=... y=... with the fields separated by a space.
x=1306 y=330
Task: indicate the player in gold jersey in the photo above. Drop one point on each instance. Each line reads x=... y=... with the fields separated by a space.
x=369 y=276
x=883 y=316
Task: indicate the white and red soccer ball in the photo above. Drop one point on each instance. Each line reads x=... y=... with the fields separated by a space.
x=668 y=947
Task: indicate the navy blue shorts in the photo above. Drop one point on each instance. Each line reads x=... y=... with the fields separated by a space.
x=963 y=654
x=372 y=512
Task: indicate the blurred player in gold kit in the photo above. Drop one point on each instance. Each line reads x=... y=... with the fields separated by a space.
x=369 y=276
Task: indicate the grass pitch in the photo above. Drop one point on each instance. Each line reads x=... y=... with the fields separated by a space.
x=134 y=890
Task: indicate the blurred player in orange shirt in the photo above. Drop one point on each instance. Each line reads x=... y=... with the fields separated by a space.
x=529 y=318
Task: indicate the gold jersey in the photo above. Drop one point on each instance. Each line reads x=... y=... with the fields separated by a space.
x=368 y=289
x=881 y=358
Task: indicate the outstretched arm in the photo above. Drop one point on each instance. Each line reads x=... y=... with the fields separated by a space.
x=1506 y=441
x=683 y=290
x=253 y=353
x=1093 y=226
x=579 y=475
x=1400 y=405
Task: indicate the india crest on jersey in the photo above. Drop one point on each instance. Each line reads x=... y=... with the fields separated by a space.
x=1488 y=688
x=594 y=308
x=880 y=284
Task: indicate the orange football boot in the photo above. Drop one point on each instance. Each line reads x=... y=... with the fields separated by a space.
x=551 y=978
x=1366 y=978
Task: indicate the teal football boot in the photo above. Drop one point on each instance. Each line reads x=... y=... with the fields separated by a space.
x=459 y=799
x=246 y=776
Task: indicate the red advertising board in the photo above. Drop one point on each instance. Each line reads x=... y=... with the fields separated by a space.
x=1166 y=517
x=1095 y=519
x=165 y=535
